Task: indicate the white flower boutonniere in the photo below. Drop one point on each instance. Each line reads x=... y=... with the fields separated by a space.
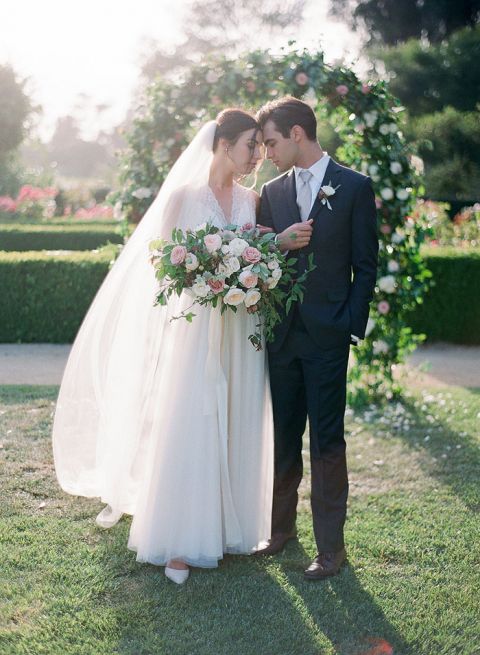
x=326 y=192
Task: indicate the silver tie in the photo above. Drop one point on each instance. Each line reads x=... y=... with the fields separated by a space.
x=304 y=194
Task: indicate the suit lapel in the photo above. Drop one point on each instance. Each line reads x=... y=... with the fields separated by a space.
x=332 y=175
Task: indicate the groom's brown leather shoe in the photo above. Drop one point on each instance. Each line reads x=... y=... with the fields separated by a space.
x=276 y=543
x=325 y=565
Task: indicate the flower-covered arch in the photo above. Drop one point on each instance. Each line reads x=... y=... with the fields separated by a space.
x=368 y=120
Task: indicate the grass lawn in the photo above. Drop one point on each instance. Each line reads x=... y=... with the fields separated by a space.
x=411 y=586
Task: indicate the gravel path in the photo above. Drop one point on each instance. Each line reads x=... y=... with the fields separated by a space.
x=437 y=364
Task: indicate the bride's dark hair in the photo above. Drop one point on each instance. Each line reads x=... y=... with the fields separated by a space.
x=231 y=123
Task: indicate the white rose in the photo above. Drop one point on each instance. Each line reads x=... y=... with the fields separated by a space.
x=393 y=127
x=271 y=283
x=225 y=249
x=386 y=193
x=200 y=288
x=237 y=246
x=370 y=325
x=380 y=346
x=233 y=264
x=117 y=211
x=384 y=128
x=397 y=237
x=402 y=194
x=387 y=284
x=393 y=266
x=222 y=269
x=373 y=169
x=396 y=167
x=142 y=193
x=370 y=118
x=212 y=77
x=234 y=296
x=272 y=264
x=328 y=190
x=277 y=273
x=191 y=262
x=252 y=297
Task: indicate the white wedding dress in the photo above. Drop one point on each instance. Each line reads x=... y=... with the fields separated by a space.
x=209 y=482
x=170 y=421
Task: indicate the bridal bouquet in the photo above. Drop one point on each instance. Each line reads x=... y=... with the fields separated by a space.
x=228 y=267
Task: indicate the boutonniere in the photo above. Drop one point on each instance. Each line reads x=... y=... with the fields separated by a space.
x=326 y=192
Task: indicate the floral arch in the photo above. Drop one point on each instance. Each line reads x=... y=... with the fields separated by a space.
x=368 y=120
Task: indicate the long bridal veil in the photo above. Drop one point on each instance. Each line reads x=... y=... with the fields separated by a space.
x=101 y=428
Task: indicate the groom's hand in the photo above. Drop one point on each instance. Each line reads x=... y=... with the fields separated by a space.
x=296 y=236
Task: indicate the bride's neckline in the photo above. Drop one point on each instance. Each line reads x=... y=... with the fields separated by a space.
x=219 y=207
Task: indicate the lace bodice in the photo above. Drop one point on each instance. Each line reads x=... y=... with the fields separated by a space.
x=243 y=206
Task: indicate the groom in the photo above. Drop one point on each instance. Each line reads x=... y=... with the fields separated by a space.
x=308 y=358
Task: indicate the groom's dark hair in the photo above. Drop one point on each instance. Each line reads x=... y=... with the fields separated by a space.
x=287 y=112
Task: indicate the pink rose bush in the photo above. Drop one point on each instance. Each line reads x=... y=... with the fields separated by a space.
x=231 y=269
x=32 y=202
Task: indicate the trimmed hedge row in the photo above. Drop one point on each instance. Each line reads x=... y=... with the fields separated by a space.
x=44 y=297
x=18 y=237
x=451 y=309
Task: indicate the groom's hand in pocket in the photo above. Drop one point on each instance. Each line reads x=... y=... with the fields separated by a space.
x=295 y=236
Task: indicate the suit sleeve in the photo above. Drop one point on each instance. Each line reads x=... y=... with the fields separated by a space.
x=265 y=213
x=364 y=256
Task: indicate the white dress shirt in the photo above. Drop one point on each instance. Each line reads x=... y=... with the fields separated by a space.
x=318 y=173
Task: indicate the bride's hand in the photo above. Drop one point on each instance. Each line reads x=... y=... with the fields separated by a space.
x=262 y=229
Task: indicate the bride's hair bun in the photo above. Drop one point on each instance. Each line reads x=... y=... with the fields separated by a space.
x=231 y=122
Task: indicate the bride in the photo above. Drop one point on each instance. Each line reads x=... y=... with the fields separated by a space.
x=165 y=420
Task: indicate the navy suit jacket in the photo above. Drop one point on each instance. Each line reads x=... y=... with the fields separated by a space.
x=344 y=244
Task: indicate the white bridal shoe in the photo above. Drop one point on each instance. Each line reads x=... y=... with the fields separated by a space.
x=179 y=576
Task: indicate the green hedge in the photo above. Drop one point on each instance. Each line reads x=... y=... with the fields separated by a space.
x=18 y=237
x=451 y=309
x=44 y=297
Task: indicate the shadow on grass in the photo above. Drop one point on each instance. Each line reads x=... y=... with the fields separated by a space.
x=459 y=469
x=247 y=606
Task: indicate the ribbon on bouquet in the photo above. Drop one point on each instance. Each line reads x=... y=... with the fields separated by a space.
x=215 y=403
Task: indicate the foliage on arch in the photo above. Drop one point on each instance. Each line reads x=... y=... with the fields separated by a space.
x=368 y=120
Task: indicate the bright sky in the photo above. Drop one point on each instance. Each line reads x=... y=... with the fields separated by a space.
x=66 y=48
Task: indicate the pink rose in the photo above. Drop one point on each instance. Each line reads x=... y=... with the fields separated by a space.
x=366 y=89
x=212 y=242
x=342 y=89
x=216 y=100
x=217 y=286
x=383 y=307
x=247 y=226
x=251 y=86
x=378 y=203
x=251 y=255
x=302 y=79
x=385 y=229
x=248 y=279
x=178 y=254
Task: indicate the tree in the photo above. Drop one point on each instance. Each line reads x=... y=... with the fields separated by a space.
x=394 y=21
x=439 y=84
x=15 y=109
x=225 y=26
x=429 y=77
x=449 y=143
